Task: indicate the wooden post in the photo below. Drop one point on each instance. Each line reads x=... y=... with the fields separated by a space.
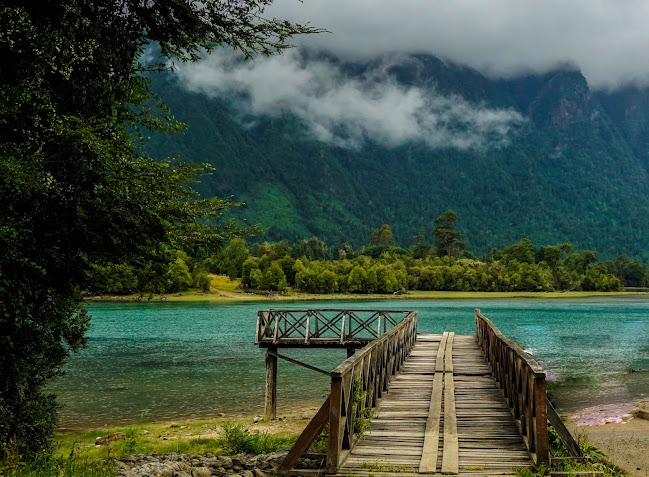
x=350 y=352
x=270 y=408
x=335 y=405
x=541 y=423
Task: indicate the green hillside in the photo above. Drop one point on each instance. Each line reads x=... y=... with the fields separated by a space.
x=576 y=170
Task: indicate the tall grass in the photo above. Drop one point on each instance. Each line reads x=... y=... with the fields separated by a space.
x=238 y=439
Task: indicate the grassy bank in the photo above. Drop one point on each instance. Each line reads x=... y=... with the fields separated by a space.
x=78 y=453
x=217 y=436
x=224 y=290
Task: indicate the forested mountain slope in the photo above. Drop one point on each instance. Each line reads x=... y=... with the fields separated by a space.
x=574 y=169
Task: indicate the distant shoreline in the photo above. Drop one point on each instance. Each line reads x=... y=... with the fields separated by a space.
x=242 y=297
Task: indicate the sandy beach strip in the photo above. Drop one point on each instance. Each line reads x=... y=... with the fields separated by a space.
x=619 y=431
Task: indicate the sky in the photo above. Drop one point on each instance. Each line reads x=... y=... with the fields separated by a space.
x=607 y=40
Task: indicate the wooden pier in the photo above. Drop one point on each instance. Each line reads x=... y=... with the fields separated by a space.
x=435 y=403
x=443 y=414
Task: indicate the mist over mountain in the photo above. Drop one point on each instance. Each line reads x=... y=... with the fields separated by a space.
x=316 y=144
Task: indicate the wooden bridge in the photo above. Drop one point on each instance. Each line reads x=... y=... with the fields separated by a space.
x=450 y=404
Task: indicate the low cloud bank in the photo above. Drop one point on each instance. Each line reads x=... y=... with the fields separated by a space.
x=349 y=110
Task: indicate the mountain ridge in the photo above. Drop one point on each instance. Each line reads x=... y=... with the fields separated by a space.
x=575 y=170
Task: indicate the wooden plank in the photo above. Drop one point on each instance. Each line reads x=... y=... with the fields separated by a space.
x=450 y=459
x=428 y=462
x=439 y=362
x=448 y=354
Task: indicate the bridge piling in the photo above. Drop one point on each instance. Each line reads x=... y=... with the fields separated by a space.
x=270 y=406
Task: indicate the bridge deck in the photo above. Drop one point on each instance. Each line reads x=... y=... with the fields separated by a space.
x=441 y=416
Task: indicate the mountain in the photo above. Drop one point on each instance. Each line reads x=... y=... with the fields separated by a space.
x=574 y=169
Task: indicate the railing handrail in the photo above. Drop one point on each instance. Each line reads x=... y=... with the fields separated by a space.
x=528 y=358
x=324 y=326
x=522 y=382
x=360 y=354
x=362 y=310
x=372 y=367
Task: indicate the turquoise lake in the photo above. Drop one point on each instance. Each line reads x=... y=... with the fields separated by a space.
x=178 y=360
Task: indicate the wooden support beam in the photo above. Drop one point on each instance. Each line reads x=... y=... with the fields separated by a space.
x=299 y=363
x=562 y=430
x=307 y=437
x=270 y=407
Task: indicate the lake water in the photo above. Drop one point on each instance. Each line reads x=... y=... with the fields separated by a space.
x=178 y=360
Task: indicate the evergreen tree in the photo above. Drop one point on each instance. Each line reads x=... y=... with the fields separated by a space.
x=448 y=240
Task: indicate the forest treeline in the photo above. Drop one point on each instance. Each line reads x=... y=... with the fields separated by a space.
x=311 y=266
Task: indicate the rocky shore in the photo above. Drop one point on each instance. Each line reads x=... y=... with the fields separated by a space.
x=184 y=465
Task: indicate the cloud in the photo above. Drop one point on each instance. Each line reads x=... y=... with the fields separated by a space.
x=347 y=110
x=607 y=39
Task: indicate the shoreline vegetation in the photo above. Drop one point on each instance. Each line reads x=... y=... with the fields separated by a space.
x=216 y=295
x=226 y=290
x=311 y=269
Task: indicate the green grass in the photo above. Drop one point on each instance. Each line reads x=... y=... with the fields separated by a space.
x=215 y=436
x=234 y=295
x=238 y=439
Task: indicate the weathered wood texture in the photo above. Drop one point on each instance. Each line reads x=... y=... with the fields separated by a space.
x=415 y=425
x=366 y=374
x=522 y=382
x=270 y=405
x=324 y=328
x=559 y=426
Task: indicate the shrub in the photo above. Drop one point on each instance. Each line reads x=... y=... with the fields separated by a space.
x=238 y=439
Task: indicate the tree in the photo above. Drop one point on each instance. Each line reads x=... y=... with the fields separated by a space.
x=313 y=249
x=76 y=186
x=246 y=271
x=523 y=251
x=356 y=281
x=233 y=257
x=274 y=278
x=448 y=240
x=420 y=248
x=382 y=237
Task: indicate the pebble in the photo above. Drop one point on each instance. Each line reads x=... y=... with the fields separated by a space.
x=181 y=465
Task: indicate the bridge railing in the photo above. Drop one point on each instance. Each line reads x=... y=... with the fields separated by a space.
x=356 y=386
x=522 y=381
x=293 y=327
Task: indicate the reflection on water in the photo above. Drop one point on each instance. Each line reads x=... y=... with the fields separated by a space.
x=166 y=360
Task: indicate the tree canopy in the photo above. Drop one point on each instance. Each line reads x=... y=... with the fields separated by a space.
x=448 y=240
x=77 y=188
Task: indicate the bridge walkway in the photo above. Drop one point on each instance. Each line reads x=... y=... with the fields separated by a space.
x=443 y=414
